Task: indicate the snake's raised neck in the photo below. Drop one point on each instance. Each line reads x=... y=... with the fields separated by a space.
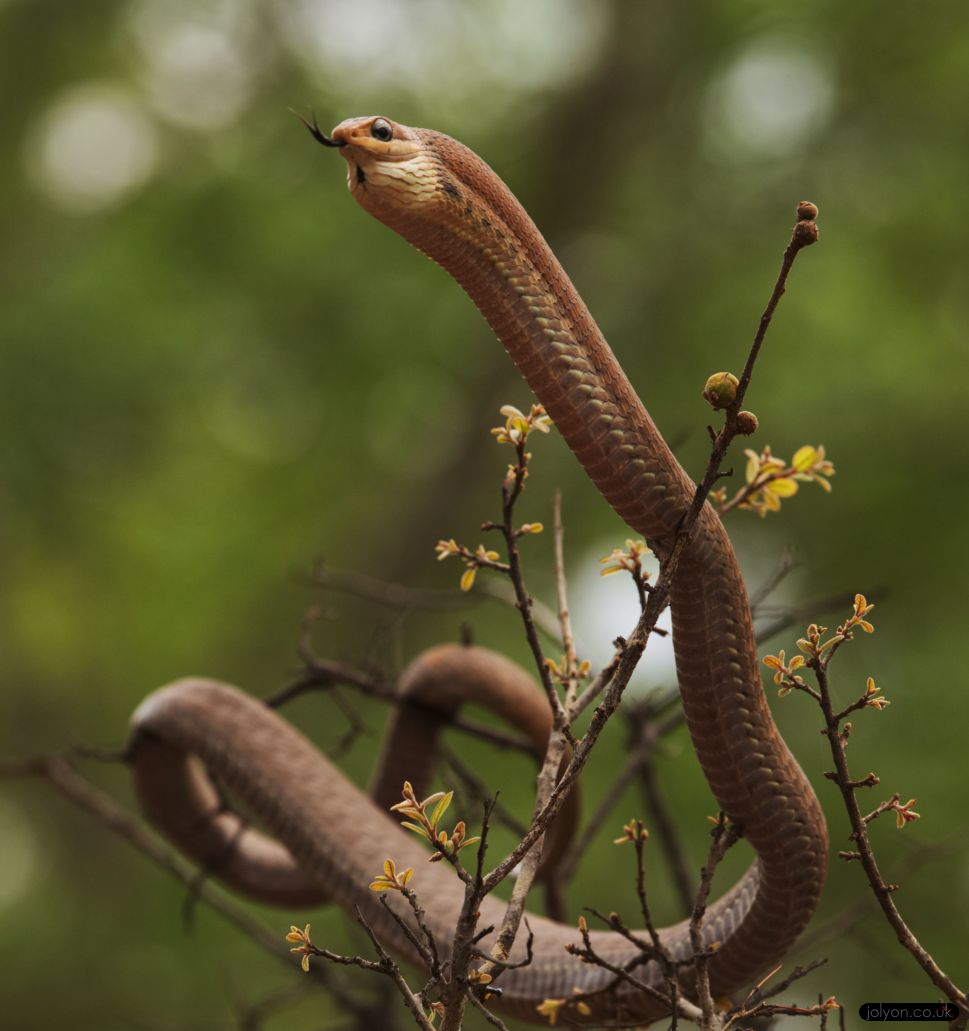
x=447 y=202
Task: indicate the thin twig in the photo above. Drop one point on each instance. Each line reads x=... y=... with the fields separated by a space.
x=848 y=918
x=881 y=890
x=565 y=621
x=723 y=836
x=662 y=822
x=511 y=490
x=323 y=674
x=389 y=967
x=62 y=776
x=777 y=618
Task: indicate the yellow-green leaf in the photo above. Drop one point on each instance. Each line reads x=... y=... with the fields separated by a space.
x=783 y=487
x=804 y=458
x=441 y=808
x=753 y=465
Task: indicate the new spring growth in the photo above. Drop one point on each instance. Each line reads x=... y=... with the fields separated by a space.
x=423 y=821
x=873 y=699
x=562 y=672
x=905 y=813
x=819 y=648
x=784 y=675
x=517 y=429
x=770 y=479
x=480 y=558
x=305 y=947
x=628 y=558
x=632 y=831
x=815 y=645
x=391 y=879
x=550 y=1008
x=518 y=426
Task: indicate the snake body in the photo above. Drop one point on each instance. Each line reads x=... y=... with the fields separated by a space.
x=328 y=837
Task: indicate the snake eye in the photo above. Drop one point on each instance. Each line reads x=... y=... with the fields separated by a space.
x=381 y=130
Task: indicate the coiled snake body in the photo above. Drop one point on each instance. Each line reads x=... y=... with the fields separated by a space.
x=328 y=838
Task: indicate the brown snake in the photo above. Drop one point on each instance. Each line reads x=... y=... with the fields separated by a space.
x=329 y=838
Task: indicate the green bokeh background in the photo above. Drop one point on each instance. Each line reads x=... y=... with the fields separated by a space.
x=216 y=368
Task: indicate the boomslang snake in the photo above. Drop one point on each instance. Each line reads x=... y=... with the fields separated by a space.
x=329 y=838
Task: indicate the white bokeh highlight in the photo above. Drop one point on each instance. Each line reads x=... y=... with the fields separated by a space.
x=769 y=100
x=436 y=48
x=198 y=62
x=605 y=607
x=94 y=147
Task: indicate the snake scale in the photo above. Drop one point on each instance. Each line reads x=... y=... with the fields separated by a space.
x=324 y=837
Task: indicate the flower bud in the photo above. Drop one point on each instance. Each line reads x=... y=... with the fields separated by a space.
x=721 y=389
x=747 y=423
x=806 y=211
x=806 y=233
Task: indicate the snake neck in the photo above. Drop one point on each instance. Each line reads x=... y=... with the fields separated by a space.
x=484 y=238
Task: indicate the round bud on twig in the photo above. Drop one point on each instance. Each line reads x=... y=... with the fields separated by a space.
x=806 y=211
x=747 y=423
x=806 y=233
x=721 y=390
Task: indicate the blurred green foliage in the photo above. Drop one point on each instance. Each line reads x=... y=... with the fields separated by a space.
x=216 y=367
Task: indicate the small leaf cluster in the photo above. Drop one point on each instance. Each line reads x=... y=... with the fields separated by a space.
x=551 y=1008
x=560 y=669
x=784 y=671
x=632 y=831
x=391 y=879
x=873 y=699
x=770 y=480
x=904 y=813
x=516 y=430
x=816 y=651
x=628 y=559
x=480 y=558
x=518 y=426
x=305 y=947
x=817 y=647
x=424 y=818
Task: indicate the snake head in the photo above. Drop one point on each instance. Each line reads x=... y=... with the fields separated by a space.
x=389 y=170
